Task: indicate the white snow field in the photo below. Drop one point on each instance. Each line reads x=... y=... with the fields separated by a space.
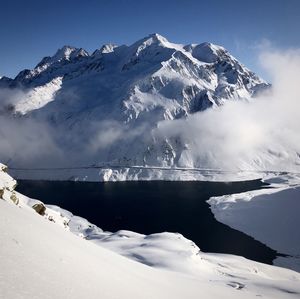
x=269 y=215
x=48 y=255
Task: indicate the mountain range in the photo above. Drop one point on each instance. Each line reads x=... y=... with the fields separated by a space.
x=108 y=107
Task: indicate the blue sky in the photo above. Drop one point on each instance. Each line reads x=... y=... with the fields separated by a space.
x=32 y=29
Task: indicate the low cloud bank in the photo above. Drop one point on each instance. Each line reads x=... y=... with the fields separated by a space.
x=257 y=135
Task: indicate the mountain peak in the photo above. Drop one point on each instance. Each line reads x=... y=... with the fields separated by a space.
x=69 y=52
x=151 y=39
x=66 y=53
x=206 y=52
x=157 y=37
x=107 y=48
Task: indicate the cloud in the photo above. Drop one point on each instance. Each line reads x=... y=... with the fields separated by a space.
x=263 y=44
x=28 y=142
x=257 y=135
x=9 y=97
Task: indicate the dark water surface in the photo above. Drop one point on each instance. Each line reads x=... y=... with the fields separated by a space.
x=155 y=206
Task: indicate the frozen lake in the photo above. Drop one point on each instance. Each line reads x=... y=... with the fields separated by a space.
x=155 y=206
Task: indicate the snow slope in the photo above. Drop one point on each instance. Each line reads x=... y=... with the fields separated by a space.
x=269 y=215
x=54 y=259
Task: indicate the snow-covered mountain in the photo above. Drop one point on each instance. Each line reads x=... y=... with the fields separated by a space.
x=180 y=79
x=107 y=107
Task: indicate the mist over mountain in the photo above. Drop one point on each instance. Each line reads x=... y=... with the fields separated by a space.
x=153 y=103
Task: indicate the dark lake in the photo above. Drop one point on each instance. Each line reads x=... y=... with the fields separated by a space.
x=155 y=206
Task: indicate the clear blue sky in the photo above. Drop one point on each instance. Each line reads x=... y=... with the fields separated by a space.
x=32 y=29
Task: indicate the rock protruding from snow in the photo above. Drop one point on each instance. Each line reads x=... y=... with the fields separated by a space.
x=8 y=193
x=7 y=185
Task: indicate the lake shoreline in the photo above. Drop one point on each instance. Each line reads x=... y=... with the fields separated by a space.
x=175 y=206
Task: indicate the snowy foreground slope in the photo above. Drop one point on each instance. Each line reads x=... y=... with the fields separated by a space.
x=48 y=255
x=269 y=215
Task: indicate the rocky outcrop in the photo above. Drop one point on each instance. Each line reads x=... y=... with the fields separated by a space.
x=8 y=193
x=7 y=185
x=39 y=208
